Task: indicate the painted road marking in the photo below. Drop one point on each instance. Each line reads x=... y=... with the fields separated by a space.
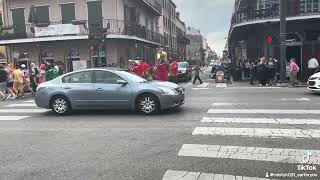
x=297 y=99
x=200 y=88
x=29 y=101
x=261 y=111
x=227 y=104
x=221 y=85
x=12 y=118
x=22 y=105
x=249 y=153
x=24 y=110
x=184 y=175
x=261 y=121
x=256 y=87
x=257 y=132
x=203 y=85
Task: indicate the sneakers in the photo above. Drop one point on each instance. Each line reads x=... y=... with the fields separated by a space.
x=4 y=98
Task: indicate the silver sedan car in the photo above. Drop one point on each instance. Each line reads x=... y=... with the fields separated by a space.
x=107 y=89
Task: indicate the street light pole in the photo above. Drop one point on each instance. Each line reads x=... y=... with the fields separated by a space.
x=283 y=53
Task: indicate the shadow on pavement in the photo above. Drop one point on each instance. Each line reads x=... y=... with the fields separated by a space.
x=117 y=113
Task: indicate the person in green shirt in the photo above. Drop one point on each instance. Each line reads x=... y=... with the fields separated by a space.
x=52 y=73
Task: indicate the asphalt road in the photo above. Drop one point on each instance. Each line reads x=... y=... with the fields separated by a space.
x=120 y=145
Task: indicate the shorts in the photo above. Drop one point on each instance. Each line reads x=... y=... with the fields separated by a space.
x=10 y=85
x=3 y=86
x=18 y=86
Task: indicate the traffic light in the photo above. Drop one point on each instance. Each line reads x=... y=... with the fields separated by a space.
x=269 y=40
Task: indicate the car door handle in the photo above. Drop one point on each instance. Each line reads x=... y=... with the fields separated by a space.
x=67 y=87
x=99 y=89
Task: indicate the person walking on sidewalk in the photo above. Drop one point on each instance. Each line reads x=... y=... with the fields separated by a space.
x=19 y=80
x=11 y=91
x=313 y=66
x=34 y=73
x=3 y=82
x=197 y=71
x=294 y=69
x=253 y=72
x=263 y=72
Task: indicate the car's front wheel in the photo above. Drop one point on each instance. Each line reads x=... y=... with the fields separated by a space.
x=60 y=105
x=148 y=104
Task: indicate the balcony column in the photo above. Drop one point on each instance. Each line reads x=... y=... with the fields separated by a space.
x=283 y=53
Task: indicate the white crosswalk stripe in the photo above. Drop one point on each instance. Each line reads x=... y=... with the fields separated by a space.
x=221 y=85
x=185 y=175
x=20 y=111
x=257 y=132
x=26 y=111
x=203 y=85
x=283 y=128
x=261 y=121
x=12 y=118
x=261 y=111
x=22 y=105
x=248 y=153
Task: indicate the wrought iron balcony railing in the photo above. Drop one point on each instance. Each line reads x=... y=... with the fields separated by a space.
x=78 y=28
x=154 y=4
x=270 y=9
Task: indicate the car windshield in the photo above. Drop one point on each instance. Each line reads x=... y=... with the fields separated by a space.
x=132 y=77
x=182 y=65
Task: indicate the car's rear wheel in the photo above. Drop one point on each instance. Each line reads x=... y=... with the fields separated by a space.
x=60 y=105
x=148 y=104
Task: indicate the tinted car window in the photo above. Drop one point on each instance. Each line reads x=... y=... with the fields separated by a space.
x=106 y=77
x=80 y=77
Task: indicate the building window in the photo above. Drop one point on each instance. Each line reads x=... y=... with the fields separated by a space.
x=42 y=14
x=68 y=13
x=309 y=6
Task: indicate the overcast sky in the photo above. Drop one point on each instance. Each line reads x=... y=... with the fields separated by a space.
x=212 y=17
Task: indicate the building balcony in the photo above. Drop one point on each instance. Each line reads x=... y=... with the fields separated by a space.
x=77 y=30
x=296 y=9
x=127 y=29
x=154 y=5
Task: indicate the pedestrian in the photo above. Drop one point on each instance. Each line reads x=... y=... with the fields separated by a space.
x=313 y=66
x=197 y=71
x=174 y=71
x=136 y=69
x=3 y=82
x=34 y=80
x=253 y=72
x=263 y=72
x=247 y=69
x=11 y=91
x=163 y=69
x=294 y=69
x=42 y=72
x=19 y=80
x=52 y=73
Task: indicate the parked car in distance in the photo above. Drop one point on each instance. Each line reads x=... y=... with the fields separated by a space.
x=184 y=71
x=107 y=89
x=314 y=82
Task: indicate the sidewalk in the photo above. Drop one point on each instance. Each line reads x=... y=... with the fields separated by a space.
x=246 y=83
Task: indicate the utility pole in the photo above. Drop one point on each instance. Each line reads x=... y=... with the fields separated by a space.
x=283 y=48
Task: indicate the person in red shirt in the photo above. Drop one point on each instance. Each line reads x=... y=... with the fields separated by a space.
x=137 y=70
x=162 y=71
x=174 y=71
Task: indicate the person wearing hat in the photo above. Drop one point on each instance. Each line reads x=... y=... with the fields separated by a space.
x=18 y=80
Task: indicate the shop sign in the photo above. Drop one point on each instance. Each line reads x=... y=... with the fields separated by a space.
x=56 y=30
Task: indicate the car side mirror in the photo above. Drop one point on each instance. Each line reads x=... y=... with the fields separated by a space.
x=122 y=82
